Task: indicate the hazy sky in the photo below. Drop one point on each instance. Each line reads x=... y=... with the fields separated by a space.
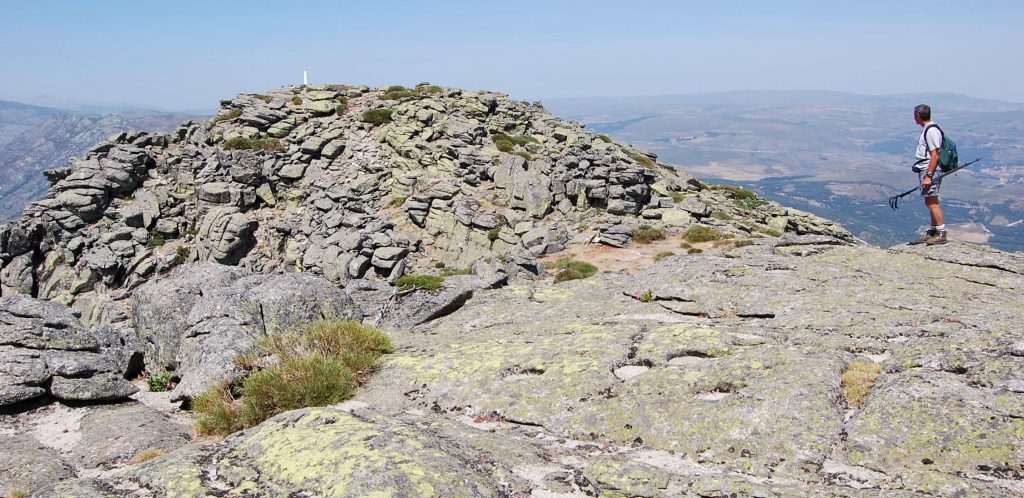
x=189 y=54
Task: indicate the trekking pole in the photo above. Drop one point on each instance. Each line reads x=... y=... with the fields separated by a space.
x=894 y=201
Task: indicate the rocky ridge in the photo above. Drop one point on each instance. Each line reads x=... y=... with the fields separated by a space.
x=709 y=374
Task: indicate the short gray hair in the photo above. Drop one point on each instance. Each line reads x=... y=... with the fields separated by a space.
x=923 y=111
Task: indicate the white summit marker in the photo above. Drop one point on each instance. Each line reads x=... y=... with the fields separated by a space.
x=305 y=81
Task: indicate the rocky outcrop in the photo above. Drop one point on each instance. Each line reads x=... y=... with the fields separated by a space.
x=196 y=321
x=297 y=180
x=45 y=349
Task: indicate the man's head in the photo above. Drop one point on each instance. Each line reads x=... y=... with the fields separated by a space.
x=922 y=114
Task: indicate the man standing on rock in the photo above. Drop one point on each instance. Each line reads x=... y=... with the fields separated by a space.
x=926 y=168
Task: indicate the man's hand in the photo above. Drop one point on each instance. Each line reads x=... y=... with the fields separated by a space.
x=926 y=182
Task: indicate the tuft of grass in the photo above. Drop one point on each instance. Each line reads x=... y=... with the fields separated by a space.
x=320 y=364
x=429 y=89
x=605 y=138
x=720 y=215
x=641 y=159
x=492 y=234
x=448 y=272
x=147 y=455
x=663 y=254
x=159 y=382
x=858 y=379
x=264 y=144
x=524 y=155
x=504 y=145
x=396 y=88
x=701 y=233
x=567 y=268
x=296 y=100
x=155 y=240
x=399 y=95
x=694 y=250
x=646 y=234
x=647 y=296
x=425 y=282
x=17 y=493
x=743 y=198
x=342 y=106
x=232 y=114
x=377 y=117
x=181 y=254
x=771 y=232
x=395 y=202
x=265 y=98
x=678 y=197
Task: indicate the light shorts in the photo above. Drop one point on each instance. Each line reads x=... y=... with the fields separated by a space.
x=933 y=190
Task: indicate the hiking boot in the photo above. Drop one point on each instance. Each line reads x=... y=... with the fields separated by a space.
x=939 y=238
x=926 y=237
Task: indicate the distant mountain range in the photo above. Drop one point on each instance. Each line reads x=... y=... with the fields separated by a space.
x=34 y=139
x=835 y=154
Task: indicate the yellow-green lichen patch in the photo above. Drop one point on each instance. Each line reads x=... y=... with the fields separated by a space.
x=178 y=474
x=331 y=453
x=933 y=421
x=625 y=479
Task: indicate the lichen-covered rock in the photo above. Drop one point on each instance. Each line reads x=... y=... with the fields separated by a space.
x=26 y=465
x=200 y=318
x=119 y=434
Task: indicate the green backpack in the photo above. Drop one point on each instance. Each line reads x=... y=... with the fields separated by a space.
x=948 y=157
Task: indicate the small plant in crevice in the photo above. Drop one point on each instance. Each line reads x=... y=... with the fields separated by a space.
x=320 y=364
x=425 y=282
x=158 y=382
x=493 y=234
x=858 y=379
x=181 y=254
x=647 y=296
x=155 y=240
x=147 y=455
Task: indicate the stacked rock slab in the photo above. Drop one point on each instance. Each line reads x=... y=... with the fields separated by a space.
x=45 y=349
x=297 y=180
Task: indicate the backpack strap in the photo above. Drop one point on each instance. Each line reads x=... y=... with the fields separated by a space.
x=942 y=137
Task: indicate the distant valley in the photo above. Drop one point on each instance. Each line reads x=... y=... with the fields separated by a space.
x=34 y=139
x=833 y=154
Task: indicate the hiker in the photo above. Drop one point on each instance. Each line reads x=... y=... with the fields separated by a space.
x=926 y=168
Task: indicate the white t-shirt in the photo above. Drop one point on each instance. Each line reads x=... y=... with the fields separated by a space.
x=934 y=142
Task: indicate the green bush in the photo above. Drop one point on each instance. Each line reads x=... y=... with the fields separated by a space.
x=429 y=89
x=320 y=364
x=678 y=197
x=567 y=268
x=694 y=250
x=155 y=240
x=160 y=382
x=492 y=234
x=425 y=282
x=296 y=100
x=504 y=145
x=641 y=159
x=605 y=138
x=342 y=106
x=395 y=88
x=399 y=95
x=663 y=254
x=647 y=234
x=701 y=233
x=232 y=114
x=264 y=144
x=377 y=117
